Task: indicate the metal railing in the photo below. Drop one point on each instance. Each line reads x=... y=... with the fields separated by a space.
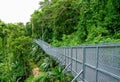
x=96 y=63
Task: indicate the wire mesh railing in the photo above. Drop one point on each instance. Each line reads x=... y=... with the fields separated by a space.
x=97 y=63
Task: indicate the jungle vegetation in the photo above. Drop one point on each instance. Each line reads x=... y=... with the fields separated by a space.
x=60 y=23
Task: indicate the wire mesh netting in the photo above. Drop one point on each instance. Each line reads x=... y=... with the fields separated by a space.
x=100 y=63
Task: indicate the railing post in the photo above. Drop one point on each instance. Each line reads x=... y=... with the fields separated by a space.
x=68 y=54
x=76 y=60
x=83 y=66
x=97 y=62
x=63 y=60
x=65 y=55
x=112 y=56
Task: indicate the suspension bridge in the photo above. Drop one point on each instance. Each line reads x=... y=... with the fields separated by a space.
x=91 y=63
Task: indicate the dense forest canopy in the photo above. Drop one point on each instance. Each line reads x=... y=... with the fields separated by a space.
x=60 y=23
x=74 y=22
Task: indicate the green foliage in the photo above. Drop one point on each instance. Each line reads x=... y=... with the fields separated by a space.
x=45 y=77
x=15 y=50
x=29 y=79
x=54 y=75
x=95 y=34
x=45 y=66
x=20 y=44
x=28 y=29
x=73 y=22
x=48 y=64
x=21 y=55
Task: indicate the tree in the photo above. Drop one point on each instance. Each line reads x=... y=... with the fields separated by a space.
x=21 y=48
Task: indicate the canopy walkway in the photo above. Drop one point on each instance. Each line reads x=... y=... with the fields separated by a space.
x=92 y=63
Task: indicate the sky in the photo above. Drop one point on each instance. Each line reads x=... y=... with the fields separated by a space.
x=13 y=11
